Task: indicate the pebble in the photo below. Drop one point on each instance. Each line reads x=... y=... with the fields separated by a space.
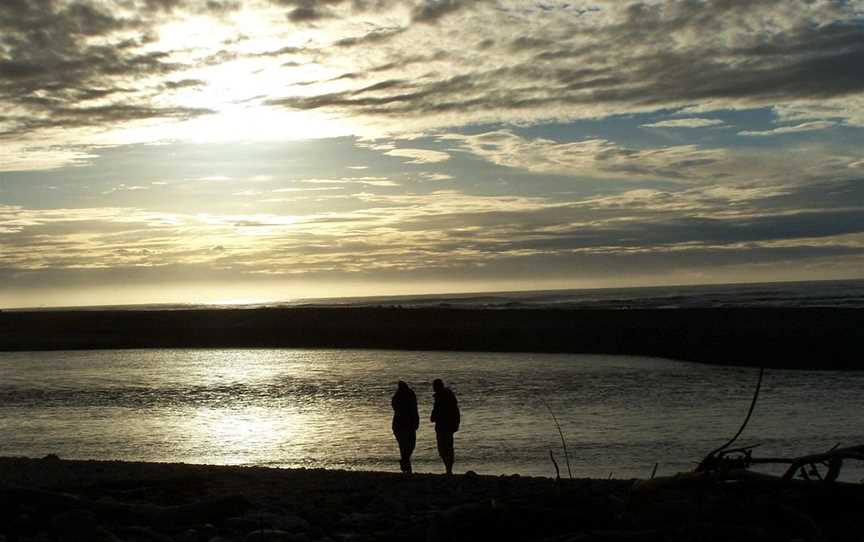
x=274 y=535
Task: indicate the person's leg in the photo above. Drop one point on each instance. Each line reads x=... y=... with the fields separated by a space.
x=410 y=443
x=440 y=438
x=404 y=453
x=445 y=449
x=451 y=454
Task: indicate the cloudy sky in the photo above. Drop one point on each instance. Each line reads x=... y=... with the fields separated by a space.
x=227 y=150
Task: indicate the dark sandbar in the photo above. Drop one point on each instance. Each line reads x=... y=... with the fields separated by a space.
x=811 y=338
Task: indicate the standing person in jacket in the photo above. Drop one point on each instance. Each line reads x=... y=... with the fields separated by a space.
x=405 y=423
x=445 y=415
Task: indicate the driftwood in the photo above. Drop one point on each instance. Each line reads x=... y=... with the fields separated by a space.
x=832 y=460
x=725 y=459
x=715 y=458
x=806 y=467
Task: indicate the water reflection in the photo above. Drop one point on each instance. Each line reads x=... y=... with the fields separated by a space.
x=330 y=408
x=238 y=436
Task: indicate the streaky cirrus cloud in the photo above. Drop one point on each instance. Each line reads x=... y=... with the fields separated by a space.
x=419 y=156
x=805 y=127
x=600 y=158
x=685 y=123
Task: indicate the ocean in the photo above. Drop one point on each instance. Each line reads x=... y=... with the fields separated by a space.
x=825 y=293
x=331 y=409
x=828 y=293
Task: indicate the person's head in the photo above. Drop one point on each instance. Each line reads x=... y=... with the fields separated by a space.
x=437 y=385
x=402 y=385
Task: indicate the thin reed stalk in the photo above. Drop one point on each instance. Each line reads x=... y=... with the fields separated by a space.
x=563 y=441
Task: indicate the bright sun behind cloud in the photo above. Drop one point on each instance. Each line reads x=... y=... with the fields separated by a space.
x=234 y=72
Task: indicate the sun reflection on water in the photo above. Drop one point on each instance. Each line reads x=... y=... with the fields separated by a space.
x=240 y=436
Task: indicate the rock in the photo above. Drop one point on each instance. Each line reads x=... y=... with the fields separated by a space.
x=291 y=523
x=385 y=503
x=190 y=535
x=79 y=526
x=240 y=523
x=472 y=521
x=367 y=522
x=663 y=512
x=208 y=531
x=206 y=511
x=51 y=457
x=274 y=535
x=143 y=534
x=268 y=520
x=201 y=533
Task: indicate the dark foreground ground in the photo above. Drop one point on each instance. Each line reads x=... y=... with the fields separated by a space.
x=51 y=499
x=795 y=338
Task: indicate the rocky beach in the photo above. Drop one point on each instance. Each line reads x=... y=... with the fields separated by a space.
x=52 y=499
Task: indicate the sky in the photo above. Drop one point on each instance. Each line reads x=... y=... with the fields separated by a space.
x=198 y=151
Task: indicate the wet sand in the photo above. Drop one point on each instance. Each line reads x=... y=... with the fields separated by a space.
x=806 y=338
x=51 y=499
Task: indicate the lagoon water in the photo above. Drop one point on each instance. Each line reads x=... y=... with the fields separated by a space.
x=331 y=408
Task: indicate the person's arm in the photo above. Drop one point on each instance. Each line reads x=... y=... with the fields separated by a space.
x=458 y=415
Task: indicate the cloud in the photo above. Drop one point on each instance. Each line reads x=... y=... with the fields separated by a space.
x=368 y=181
x=848 y=110
x=419 y=156
x=312 y=11
x=435 y=177
x=592 y=157
x=77 y=77
x=611 y=59
x=370 y=38
x=685 y=123
x=431 y=11
x=604 y=159
x=126 y=188
x=297 y=189
x=449 y=232
x=806 y=127
x=30 y=156
x=115 y=65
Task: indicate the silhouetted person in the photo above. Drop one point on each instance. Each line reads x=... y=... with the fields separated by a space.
x=405 y=423
x=445 y=414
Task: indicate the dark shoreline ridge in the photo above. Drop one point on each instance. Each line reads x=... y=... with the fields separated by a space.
x=52 y=499
x=805 y=338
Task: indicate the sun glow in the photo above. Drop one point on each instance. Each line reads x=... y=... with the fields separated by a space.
x=232 y=75
x=238 y=123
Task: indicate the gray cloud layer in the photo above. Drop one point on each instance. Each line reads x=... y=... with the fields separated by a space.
x=79 y=64
x=89 y=63
x=639 y=58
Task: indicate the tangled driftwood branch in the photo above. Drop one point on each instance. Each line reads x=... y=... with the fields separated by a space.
x=712 y=461
x=832 y=460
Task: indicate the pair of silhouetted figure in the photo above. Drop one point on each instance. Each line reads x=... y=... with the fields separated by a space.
x=406 y=420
